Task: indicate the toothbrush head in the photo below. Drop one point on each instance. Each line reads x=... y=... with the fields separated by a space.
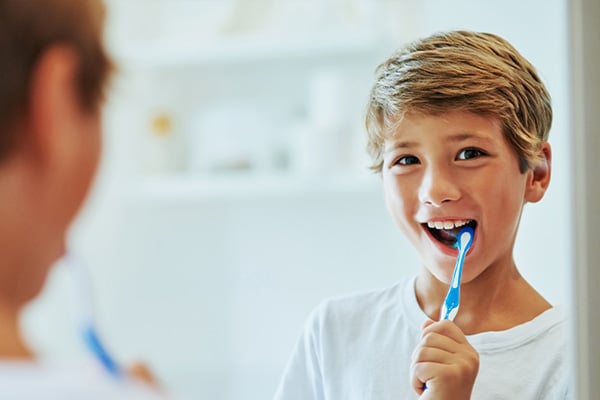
x=465 y=238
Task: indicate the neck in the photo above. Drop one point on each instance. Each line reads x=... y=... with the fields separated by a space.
x=12 y=344
x=498 y=299
x=22 y=270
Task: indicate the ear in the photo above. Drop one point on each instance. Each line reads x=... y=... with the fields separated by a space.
x=539 y=176
x=52 y=104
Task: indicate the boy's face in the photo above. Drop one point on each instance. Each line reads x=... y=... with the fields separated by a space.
x=443 y=171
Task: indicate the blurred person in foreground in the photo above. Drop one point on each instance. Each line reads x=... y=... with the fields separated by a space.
x=53 y=74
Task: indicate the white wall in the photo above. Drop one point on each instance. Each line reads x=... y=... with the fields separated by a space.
x=213 y=288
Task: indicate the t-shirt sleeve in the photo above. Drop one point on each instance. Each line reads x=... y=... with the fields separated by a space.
x=303 y=378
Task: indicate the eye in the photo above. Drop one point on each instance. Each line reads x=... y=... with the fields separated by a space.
x=407 y=160
x=470 y=153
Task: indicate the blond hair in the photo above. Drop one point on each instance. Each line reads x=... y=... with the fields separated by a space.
x=461 y=71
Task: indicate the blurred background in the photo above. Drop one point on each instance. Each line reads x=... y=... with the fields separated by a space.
x=234 y=193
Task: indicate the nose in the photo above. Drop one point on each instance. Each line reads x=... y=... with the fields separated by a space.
x=438 y=187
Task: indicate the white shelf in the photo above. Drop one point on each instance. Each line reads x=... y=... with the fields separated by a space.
x=167 y=55
x=246 y=186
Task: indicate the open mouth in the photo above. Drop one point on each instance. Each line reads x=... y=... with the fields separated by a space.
x=446 y=232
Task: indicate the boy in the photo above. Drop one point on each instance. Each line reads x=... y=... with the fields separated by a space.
x=54 y=71
x=457 y=127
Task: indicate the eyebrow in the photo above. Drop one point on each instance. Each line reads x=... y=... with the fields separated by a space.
x=402 y=145
x=467 y=136
x=455 y=138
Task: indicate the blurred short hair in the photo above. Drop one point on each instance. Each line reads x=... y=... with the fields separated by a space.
x=27 y=28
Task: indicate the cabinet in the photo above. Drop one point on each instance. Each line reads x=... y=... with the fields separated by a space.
x=247 y=113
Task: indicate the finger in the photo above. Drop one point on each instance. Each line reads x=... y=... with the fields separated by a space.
x=439 y=341
x=443 y=350
x=423 y=376
x=142 y=372
x=448 y=329
x=427 y=323
x=430 y=354
x=417 y=382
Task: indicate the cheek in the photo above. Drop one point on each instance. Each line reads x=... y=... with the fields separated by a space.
x=513 y=192
x=88 y=159
x=504 y=199
x=397 y=201
x=93 y=145
x=95 y=140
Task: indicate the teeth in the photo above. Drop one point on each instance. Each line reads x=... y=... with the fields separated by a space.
x=447 y=224
x=458 y=224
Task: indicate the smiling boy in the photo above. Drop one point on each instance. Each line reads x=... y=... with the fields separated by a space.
x=457 y=128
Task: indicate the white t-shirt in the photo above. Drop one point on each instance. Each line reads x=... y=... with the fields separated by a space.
x=24 y=380
x=359 y=348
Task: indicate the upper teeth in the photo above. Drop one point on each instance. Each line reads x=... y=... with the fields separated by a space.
x=447 y=224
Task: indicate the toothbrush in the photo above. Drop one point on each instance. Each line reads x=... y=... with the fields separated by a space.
x=86 y=318
x=452 y=301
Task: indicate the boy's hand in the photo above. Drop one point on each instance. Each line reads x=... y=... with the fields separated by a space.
x=444 y=361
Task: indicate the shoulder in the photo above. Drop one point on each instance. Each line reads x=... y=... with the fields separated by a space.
x=353 y=341
x=365 y=310
x=548 y=327
x=505 y=354
x=359 y=305
x=66 y=383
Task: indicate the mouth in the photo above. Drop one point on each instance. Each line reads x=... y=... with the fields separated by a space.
x=446 y=232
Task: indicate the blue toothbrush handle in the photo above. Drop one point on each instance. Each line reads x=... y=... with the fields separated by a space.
x=452 y=300
x=95 y=345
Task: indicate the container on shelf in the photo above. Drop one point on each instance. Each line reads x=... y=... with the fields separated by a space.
x=246 y=104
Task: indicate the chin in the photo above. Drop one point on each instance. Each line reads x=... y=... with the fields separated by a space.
x=30 y=290
x=37 y=276
x=443 y=275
